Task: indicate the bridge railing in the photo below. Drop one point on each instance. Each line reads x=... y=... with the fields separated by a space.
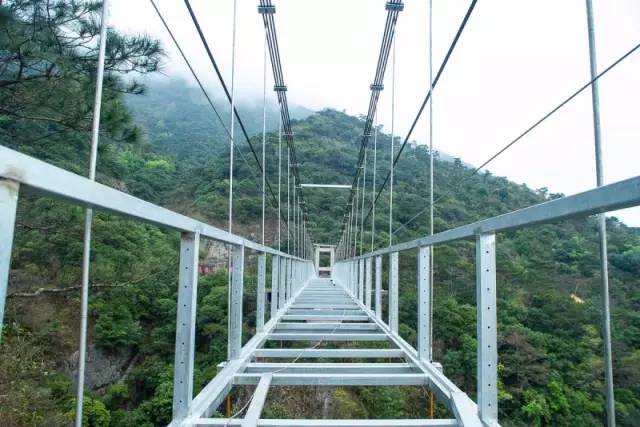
x=288 y=273
x=356 y=273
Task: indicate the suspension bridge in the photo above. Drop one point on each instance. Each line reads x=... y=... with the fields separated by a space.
x=342 y=301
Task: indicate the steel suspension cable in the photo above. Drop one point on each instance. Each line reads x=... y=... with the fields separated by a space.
x=393 y=116
x=393 y=8
x=233 y=116
x=529 y=129
x=373 y=181
x=202 y=89
x=234 y=110
x=452 y=47
x=264 y=131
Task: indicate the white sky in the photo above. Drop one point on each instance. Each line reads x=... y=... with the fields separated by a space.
x=516 y=60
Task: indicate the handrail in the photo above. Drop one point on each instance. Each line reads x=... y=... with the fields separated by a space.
x=52 y=180
x=619 y=195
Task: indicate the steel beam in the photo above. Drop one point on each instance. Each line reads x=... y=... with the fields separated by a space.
x=378 y=281
x=424 y=304
x=331 y=368
x=234 y=331
x=487 y=329
x=330 y=353
x=611 y=197
x=367 y=283
x=361 y=280
x=51 y=180
x=225 y=422
x=275 y=281
x=257 y=402
x=185 y=324
x=260 y=297
x=336 y=380
x=393 y=291
x=327 y=337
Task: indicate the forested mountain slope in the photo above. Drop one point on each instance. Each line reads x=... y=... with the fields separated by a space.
x=165 y=146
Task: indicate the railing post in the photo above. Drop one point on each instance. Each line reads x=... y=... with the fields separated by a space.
x=262 y=274
x=487 y=328
x=393 y=291
x=424 y=304
x=367 y=278
x=235 y=303
x=185 y=324
x=8 y=205
x=378 y=280
x=275 y=280
x=361 y=280
x=294 y=269
x=284 y=276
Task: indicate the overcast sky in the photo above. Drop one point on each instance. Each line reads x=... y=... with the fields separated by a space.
x=516 y=60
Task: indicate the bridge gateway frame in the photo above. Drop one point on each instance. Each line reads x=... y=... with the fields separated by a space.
x=322 y=309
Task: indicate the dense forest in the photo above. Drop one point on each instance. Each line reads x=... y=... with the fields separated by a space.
x=160 y=142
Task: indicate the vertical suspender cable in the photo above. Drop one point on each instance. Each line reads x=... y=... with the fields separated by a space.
x=393 y=116
x=355 y=224
x=279 y=182
x=431 y=182
x=602 y=224
x=264 y=130
x=373 y=181
x=88 y=219
x=232 y=125
x=288 y=199
x=364 y=192
x=231 y=147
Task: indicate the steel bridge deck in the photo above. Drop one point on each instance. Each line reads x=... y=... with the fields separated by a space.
x=322 y=312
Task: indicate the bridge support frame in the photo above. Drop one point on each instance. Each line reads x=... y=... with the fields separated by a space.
x=234 y=345
x=424 y=303
x=487 y=328
x=393 y=291
x=185 y=324
x=260 y=296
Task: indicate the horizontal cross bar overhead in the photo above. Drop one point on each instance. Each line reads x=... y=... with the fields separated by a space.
x=325 y=186
x=51 y=180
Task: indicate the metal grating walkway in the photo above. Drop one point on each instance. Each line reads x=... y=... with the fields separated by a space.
x=325 y=312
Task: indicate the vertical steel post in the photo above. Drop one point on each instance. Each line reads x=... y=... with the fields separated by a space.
x=602 y=224
x=282 y=283
x=367 y=287
x=487 y=328
x=235 y=303
x=275 y=280
x=8 y=205
x=378 y=281
x=393 y=291
x=88 y=219
x=361 y=280
x=185 y=325
x=262 y=274
x=424 y=303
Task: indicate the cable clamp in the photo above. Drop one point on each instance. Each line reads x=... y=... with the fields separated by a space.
x=282 y=88
x=270 y=9
x=375 y=87
x=399 y=6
